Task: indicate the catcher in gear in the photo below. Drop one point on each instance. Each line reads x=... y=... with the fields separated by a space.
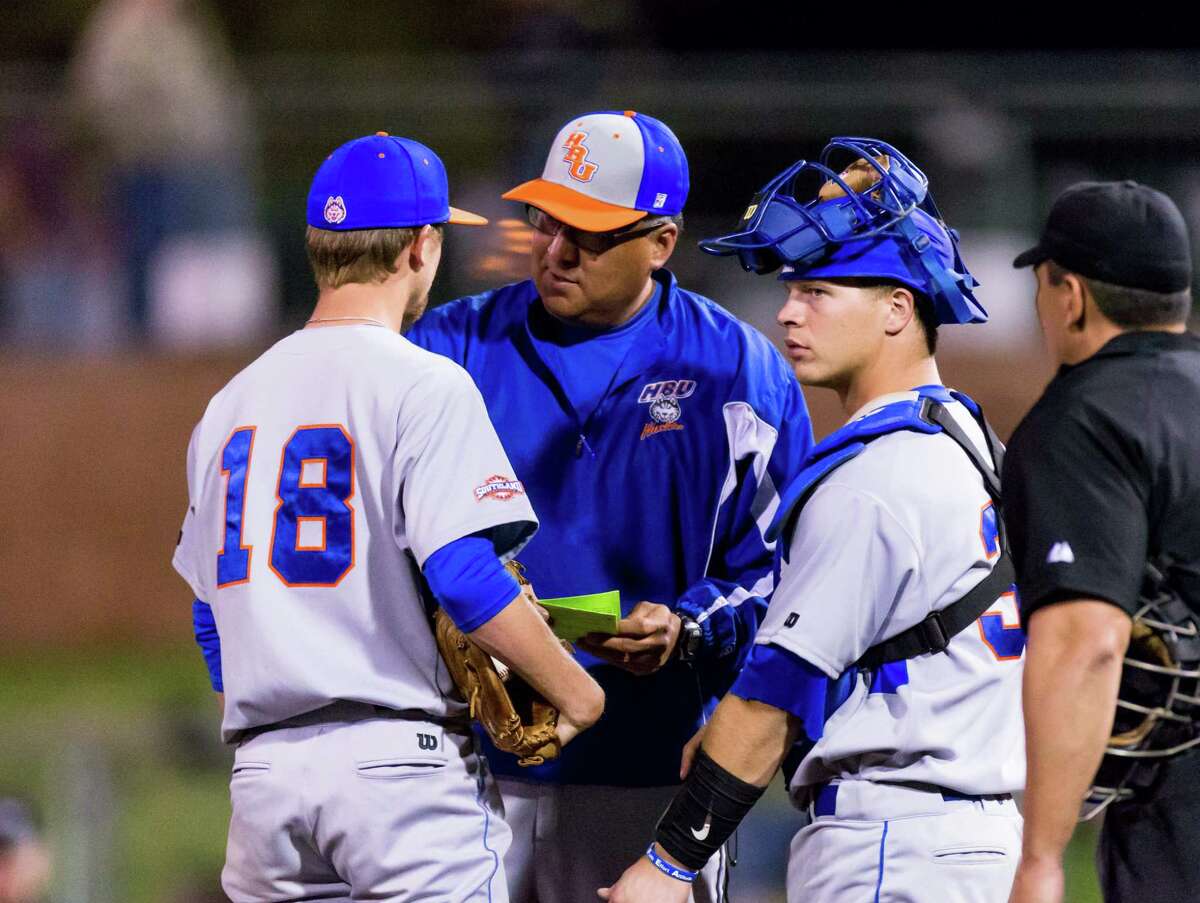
x=1101 y=477
x=890 y=633
x=517 y=718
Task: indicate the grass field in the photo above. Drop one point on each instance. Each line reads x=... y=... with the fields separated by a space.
x=119 y=753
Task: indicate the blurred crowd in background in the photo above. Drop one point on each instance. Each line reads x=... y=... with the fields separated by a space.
x=154 y=174
x=132 y=186
x=154 y=160
x=155 y=152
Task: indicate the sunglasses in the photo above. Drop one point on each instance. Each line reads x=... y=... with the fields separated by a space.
x=592 y=242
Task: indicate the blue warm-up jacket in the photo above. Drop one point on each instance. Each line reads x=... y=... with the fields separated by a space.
x=663 y=493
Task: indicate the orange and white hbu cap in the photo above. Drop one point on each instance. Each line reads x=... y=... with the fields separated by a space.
x=609 y=169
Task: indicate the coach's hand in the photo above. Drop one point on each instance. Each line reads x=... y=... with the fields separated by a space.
x=644 y=640
x=1038 y=881
x=643 y=883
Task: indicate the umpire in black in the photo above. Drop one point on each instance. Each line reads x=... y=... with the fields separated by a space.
x=1102 y=476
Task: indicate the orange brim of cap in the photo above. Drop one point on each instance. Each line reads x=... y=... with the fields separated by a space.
x=572 y=207
x=464 y=218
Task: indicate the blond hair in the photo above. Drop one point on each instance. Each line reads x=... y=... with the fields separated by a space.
x=357 y=256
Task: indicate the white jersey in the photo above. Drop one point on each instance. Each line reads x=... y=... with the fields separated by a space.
x=319 y=479
x=901 y=530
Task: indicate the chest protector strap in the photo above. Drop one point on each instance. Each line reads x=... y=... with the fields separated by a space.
x=927 y=414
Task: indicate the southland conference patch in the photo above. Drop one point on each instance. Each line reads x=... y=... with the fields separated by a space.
x=499 y=488
x=663 y=397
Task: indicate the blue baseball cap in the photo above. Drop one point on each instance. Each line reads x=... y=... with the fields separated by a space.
x=382 y=182
x=609 y=169
x=933 y=269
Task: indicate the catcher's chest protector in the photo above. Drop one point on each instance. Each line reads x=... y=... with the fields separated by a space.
x=926 y=414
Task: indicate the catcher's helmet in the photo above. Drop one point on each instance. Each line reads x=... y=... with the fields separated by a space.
x=1157 y=704
x=890 y=229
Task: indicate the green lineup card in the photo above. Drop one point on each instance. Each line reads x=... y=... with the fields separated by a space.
x=577 y=616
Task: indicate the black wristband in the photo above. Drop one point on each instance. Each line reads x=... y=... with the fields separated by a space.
x=706 y=811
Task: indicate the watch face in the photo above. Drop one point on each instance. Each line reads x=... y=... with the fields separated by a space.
x=690 y=640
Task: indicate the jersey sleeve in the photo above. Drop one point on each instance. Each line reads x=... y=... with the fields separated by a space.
x=204 y=628
x=778 y=678
x=187 y=559
x=768 y=437
x=849 y=564
x=1076 y=510
x=454 y=476
x=469 y=583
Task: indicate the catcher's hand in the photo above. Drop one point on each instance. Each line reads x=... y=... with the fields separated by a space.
x=515 y=716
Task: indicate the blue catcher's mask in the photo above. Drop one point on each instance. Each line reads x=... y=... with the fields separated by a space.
x=891 y=230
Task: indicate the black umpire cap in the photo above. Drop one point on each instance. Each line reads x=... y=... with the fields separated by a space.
x=1122 y=233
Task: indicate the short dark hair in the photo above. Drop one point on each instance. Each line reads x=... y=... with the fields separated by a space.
x=1132 y=308
x=925 y=314
x=356 y=256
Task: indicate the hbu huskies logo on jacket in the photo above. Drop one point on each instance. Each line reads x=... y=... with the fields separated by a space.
x=665 y=410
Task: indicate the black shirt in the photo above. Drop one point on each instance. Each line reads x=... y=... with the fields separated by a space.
x=1104 y=474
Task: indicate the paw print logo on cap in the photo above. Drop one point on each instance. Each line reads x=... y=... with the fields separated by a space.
x=335 y=210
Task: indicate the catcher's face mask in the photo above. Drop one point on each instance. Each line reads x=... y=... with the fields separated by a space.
x=1158 y=701
x=778 y=229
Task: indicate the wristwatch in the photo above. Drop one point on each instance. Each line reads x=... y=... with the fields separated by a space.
x=690 y=637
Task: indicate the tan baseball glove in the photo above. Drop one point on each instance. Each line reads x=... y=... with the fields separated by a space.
x=517 y=718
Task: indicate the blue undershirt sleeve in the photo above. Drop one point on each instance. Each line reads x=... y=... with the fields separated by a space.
x=469 y=582
x=784 y=680
x=204 y=626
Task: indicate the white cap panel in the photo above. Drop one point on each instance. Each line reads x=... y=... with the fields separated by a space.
x=600 y=155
